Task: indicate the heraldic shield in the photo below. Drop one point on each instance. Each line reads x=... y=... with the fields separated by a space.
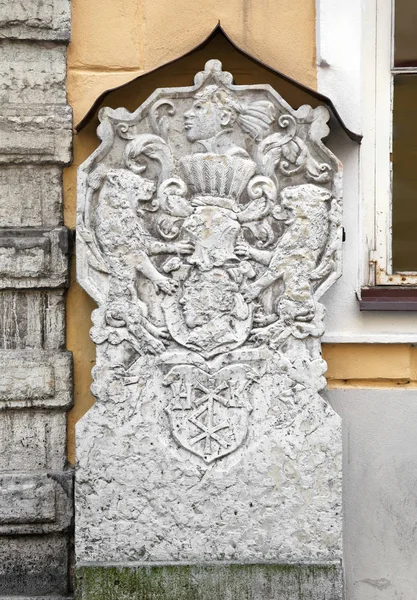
x=209 y=414
x=209 y=224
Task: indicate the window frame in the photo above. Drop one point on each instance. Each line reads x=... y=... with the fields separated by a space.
x=381 y=256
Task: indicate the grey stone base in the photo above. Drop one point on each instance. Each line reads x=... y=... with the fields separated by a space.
x=210 y=582
x=34 y=565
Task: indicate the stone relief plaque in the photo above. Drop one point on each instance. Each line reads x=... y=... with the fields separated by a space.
x=209 y=226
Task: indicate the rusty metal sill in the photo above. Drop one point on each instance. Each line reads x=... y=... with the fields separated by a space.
x=386 y=298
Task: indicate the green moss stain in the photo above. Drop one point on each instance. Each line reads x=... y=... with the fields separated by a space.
x=210 y=582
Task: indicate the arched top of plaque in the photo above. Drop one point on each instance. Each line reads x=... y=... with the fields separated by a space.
x=209 y=212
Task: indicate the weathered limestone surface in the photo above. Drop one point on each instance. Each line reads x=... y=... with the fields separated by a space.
x=30 y=196
x=35 y=379
x=34 y=566
x=35 y=19
x=29 y=74
x=51 y=597
x=35 y=133
x=277 y=498
x=32 y=440
x=38 y=597
x=36 y=505
x=32 y=319
x=34 y=258
x=209 y=225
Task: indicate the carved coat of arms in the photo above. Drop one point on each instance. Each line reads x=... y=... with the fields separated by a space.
x=208 y=227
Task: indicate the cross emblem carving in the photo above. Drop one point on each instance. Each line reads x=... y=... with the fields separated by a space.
x=209 y=428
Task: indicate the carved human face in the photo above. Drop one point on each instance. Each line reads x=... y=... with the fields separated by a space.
x=195 y=313
x=205 y=119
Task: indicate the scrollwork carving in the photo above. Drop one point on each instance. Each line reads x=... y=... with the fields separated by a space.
x=159 y=121
x=290 y=154
x=211 y=233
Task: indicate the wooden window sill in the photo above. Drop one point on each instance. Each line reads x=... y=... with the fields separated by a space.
x=388 y=298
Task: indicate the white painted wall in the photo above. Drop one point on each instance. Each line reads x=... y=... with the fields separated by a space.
x=346 y=41
x=379 y=426
x=339 y=48
x=379 y=492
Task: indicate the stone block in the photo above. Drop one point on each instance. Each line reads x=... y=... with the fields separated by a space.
x=37 y=598
x=26 y=499
x=32 y=441
x=33 y=565
x=34 y=257
x=35 y=503
x=277 y=498
x=30 y=196
x=35 y=134
x=46 y=20
x=32 y=72
x=32 y=319
x=38 y=379
x=209 y=440
x=209 y=582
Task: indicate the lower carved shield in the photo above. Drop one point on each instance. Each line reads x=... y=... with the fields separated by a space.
x=209 y=414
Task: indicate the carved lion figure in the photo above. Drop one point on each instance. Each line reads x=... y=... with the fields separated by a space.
x=127 y=243
x=297 y=253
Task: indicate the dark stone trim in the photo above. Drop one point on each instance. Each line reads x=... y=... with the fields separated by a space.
x=387 y=298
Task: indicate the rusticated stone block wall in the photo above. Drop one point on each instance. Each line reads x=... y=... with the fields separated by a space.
x=36 y=371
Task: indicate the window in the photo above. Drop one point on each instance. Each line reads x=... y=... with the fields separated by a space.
x=396 y=143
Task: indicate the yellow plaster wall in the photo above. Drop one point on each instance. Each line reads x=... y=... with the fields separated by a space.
x=114 y=41
x=371 y=365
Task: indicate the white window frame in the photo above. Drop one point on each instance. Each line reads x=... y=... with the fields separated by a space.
x=381 y=256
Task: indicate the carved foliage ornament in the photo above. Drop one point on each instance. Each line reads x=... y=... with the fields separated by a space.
x=209 y=224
